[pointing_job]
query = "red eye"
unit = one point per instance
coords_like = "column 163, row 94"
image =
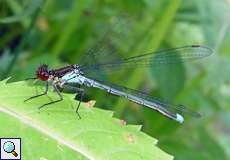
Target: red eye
column 43, row 73
column 43, row 76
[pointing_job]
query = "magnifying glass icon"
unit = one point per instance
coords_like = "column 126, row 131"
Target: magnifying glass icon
column 9, row 147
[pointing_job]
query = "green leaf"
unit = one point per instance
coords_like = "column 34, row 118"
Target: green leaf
column 55, row 132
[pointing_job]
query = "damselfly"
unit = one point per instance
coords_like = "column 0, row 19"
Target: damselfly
column 85, row 73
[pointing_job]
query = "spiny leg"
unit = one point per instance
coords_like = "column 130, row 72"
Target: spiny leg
column 59, row 94
column 45, row 93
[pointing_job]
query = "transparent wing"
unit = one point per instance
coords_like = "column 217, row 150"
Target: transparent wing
column 116, row 30
column 168, row 56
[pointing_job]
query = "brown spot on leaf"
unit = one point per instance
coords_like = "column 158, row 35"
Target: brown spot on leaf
column 122, row 122
column 90, row 104
column 130, row 138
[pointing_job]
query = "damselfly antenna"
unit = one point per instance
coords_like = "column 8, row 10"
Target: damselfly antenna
column 31, row 78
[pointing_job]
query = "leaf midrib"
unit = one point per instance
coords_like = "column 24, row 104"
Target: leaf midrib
column 46, row 131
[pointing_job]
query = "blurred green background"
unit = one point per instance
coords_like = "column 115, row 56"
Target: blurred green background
column 59, row 32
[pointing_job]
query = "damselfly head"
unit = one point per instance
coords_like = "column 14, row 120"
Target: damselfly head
column 43, row 72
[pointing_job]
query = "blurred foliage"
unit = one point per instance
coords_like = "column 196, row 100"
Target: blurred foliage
column 60, row 32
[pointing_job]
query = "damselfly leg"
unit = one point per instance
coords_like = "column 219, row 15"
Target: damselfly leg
column 39, row 95
column 45, row 93
column 79, row 95
column 52, row 102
